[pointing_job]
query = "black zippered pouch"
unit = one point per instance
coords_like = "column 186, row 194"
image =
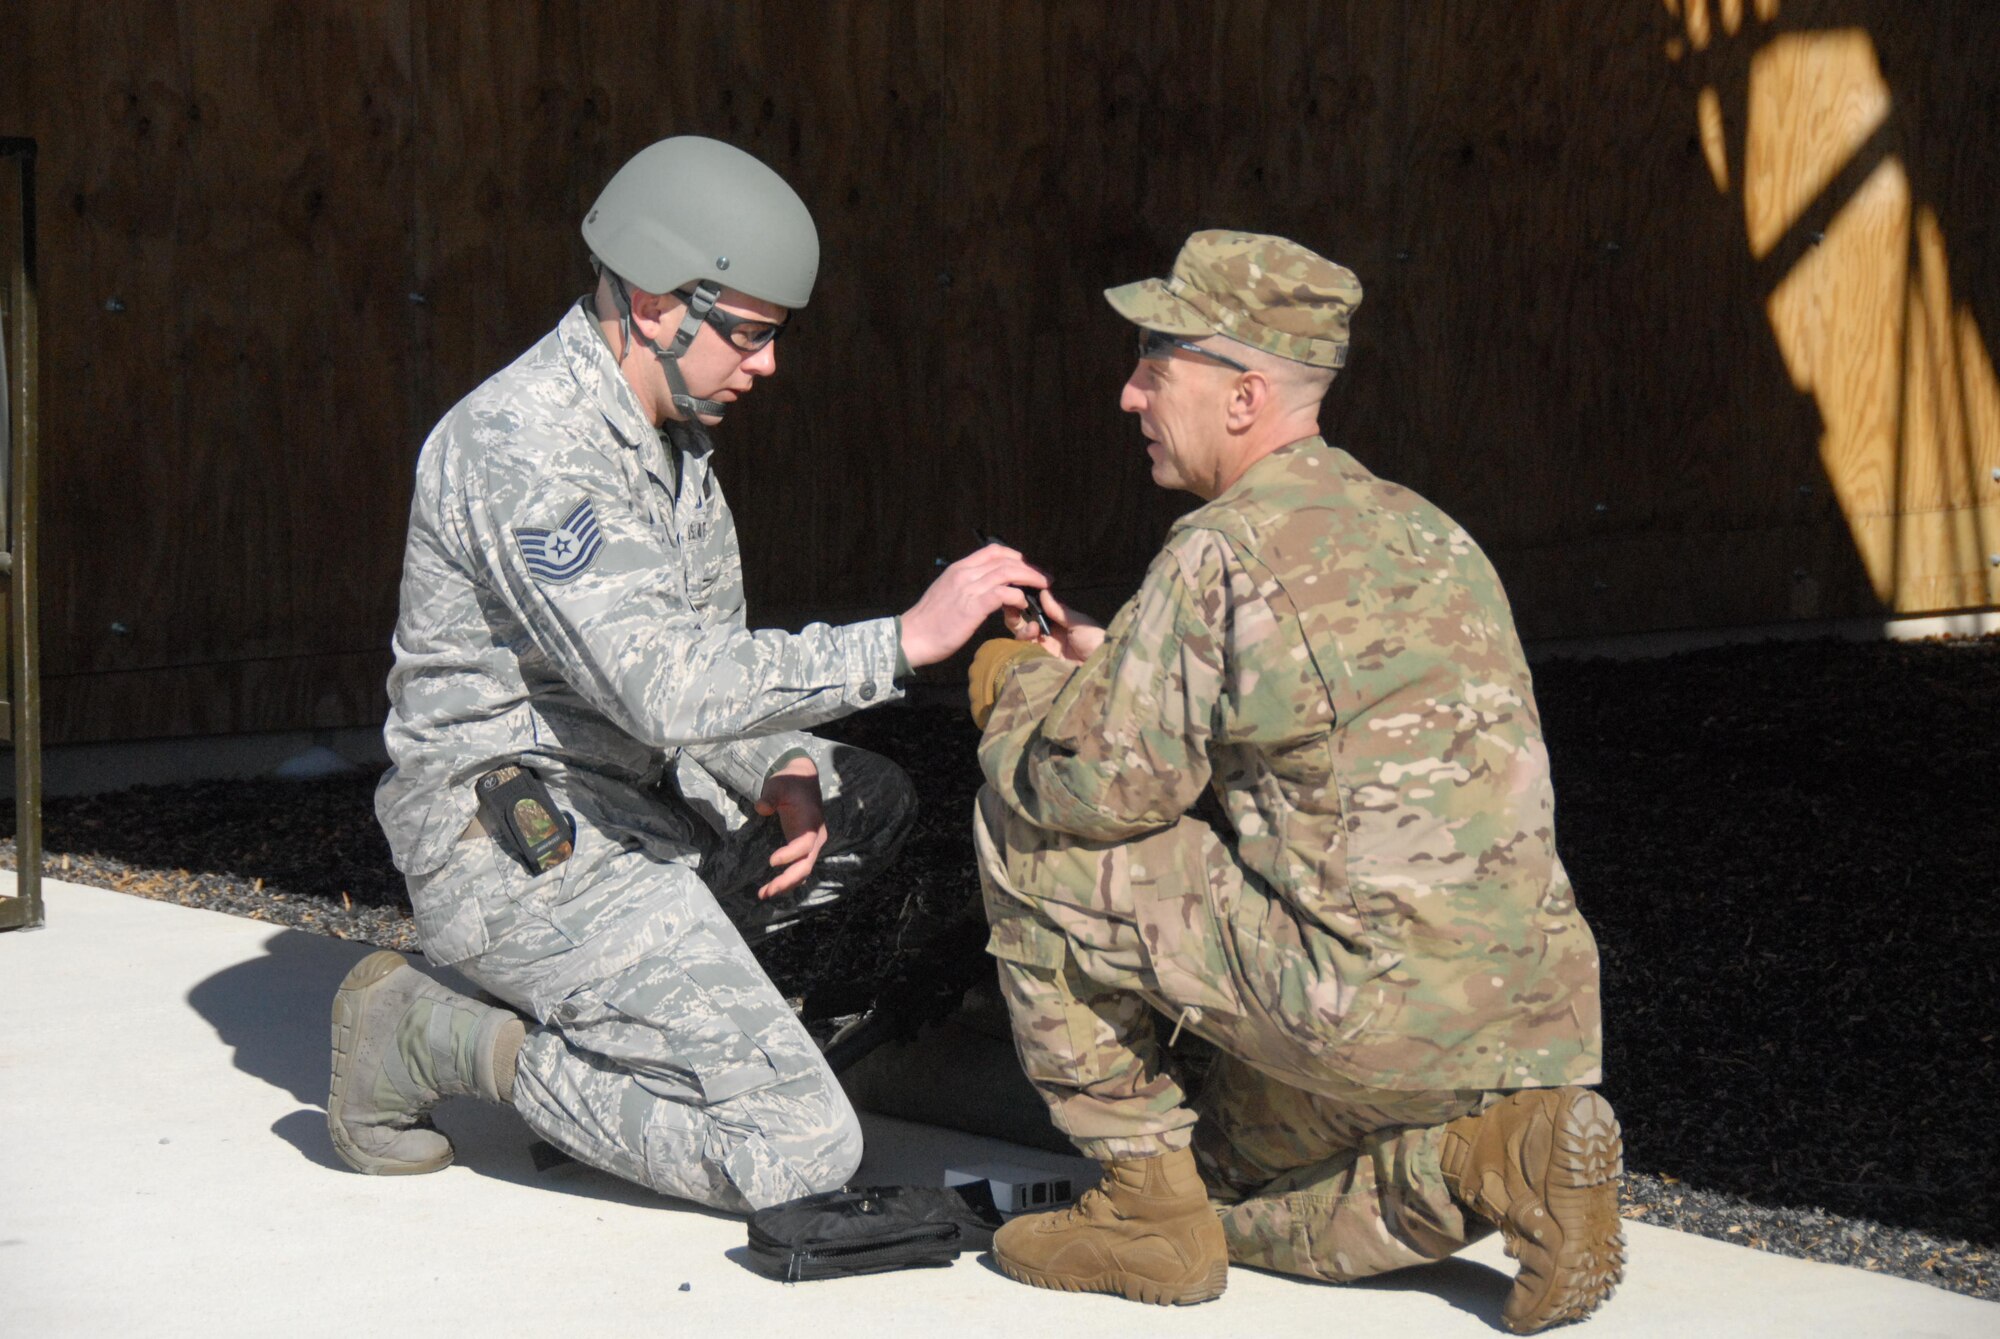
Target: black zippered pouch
column 846, row 1232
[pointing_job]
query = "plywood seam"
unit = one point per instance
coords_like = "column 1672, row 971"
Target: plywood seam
column 164, row 667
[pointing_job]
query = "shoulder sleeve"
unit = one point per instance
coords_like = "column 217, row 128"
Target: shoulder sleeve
column 1119, row 746
column 598, row 589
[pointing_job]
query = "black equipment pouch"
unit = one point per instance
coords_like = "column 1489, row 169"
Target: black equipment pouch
column 518, row 812
column 846, row 1232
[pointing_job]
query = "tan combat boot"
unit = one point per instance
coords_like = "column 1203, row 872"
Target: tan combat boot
column 401, row 1041
column 1145, row 1231
column 1543, row 1165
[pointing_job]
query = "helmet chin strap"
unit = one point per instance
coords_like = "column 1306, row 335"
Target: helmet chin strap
column 699, row 304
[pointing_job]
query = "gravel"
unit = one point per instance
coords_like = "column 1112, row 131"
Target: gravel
column 1788, row 853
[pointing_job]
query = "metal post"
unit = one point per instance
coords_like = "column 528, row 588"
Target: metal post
column 24, row 910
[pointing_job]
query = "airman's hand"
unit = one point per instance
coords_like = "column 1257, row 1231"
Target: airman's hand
column 964, row 596
column 792, row 793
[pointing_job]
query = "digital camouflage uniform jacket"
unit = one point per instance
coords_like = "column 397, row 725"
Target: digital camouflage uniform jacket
column 1335, row 657
column 573, row 597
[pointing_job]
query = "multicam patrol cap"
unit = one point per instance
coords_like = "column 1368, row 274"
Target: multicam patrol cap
column 1264, row 291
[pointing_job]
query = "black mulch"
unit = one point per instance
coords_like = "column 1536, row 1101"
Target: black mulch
column 1789, row 854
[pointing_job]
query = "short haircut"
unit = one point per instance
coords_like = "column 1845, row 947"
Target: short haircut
column 1297, row 385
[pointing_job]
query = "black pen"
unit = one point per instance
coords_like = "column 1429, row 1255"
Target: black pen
column 1034, row 603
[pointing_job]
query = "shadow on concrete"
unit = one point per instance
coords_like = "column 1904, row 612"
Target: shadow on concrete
column 305, row 1130
column 1477, row 1290
column 274, row 1013
column 740, row 1257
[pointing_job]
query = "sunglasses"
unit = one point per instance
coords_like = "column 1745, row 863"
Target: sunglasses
column 1159, row 344
column 746, row 333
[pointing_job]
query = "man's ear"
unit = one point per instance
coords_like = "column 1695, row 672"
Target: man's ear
column 647, row 313
column 1248, row 399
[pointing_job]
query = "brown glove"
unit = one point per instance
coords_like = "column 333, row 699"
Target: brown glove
column 991, row 664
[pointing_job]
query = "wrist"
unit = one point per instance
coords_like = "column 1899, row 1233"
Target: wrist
column 991, row 664
column 912, row 648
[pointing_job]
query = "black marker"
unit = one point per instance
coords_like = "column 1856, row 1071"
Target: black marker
column 1034, row 602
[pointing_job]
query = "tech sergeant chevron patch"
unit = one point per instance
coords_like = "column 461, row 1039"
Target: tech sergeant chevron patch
column 561, row 555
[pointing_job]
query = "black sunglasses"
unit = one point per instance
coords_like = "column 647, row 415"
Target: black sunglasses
column 1159, row 344
column 746, row 333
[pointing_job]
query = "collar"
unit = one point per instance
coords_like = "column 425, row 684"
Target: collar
column 596, row 372
column 1278, row 466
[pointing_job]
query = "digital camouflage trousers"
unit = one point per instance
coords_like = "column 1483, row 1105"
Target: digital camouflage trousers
column 658, row 1048
column 1312, row 1174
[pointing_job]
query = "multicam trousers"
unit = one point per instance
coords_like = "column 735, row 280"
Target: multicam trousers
column 663, row 1052
column 1312, row 1174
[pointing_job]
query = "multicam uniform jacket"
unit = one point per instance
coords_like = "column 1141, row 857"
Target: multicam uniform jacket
column 572, row 598
column 1336, row 659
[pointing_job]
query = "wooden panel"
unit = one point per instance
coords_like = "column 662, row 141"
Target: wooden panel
column 1598, row 329
column 1941, row 559
column 1042, row 207
column 511, row 139
column 1838, row 316
column 1815, row 100
column 1867, row 319
column 1705, row 579
column 1947, row 437
column 225, row 209
column 1980, row 387
column 230, row 697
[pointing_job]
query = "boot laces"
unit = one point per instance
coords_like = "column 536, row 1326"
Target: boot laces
column 1085, row 1210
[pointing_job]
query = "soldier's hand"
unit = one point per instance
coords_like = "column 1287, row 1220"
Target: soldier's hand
column 963, row 597
column 1073, row 635
column 792, row 793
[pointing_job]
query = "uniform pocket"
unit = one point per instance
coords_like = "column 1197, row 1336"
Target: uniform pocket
column 451, row 923
column 449, row 930
column 724, row 1046
column 1017, row 936
column 1175, row 902
column 478, row 896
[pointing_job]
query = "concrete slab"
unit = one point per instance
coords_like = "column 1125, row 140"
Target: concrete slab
column 164, row 1171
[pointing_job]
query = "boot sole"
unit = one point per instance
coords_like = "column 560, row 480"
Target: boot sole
column 1131, row 1288
column 1581, row 1195
column 349, row 1003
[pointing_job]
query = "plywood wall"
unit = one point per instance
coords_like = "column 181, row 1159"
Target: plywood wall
column 1641, row 311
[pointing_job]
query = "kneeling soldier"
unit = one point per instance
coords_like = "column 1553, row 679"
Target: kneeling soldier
column 1296, row 799
column 604, row 795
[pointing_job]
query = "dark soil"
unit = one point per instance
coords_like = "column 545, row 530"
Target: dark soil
column 1788, row 853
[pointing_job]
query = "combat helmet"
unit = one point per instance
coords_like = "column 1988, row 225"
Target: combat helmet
column 695, row 211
